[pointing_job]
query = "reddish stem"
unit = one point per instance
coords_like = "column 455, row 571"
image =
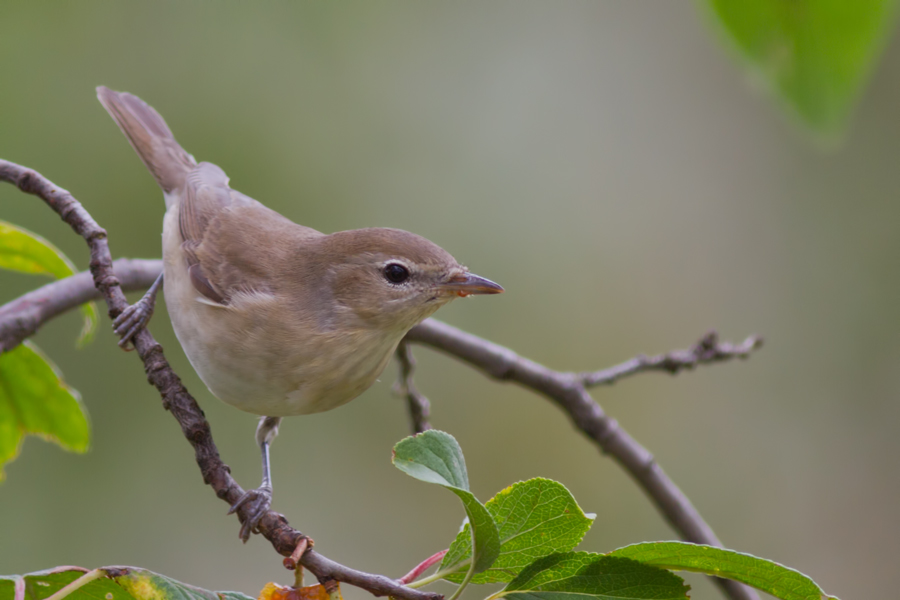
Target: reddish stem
column 293, row 561
column 422, row 567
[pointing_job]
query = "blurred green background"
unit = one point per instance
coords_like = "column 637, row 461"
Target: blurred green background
column 604, row 161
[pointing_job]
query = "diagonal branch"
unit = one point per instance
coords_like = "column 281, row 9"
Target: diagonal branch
column 178, row 400
column 567, row 390
column 497, row 362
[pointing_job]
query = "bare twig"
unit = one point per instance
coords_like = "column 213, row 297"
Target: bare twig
column 418, row 405
column 567, row 390
column 178, row 400
column 291, row 562
column 708, row 350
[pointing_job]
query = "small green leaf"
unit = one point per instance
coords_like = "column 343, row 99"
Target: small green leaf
column 27, row 252
column 34, row 400
column 435, row 457
column 814, row 54
column 535, row 518
column 585, row 576
column 765, row 575
column 113, row 583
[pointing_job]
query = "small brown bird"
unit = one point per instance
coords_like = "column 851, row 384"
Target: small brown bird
column 277, row 319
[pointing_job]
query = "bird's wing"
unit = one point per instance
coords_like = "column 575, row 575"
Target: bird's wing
column 232, row 243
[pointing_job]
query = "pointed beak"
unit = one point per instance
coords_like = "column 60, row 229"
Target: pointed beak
column 466, row 284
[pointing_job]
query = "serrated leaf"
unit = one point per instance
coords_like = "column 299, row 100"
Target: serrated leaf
column 435, row 457
column 34, row 400
column 27, row 252
column 109, row 583
column 586, row 576
column 534, row 518
column 814, row 54
column 765, row 575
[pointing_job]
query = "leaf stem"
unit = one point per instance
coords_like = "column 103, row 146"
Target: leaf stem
column 438, row 575
column 81, row 581
column 465, row 582
column 423, row 566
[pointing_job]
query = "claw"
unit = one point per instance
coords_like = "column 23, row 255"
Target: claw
column 136, row 316
column 132, row 320
column 257, row 503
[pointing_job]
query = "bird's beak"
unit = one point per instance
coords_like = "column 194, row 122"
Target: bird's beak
column 465, row 284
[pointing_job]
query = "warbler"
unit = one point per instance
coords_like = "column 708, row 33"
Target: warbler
column 277, row 318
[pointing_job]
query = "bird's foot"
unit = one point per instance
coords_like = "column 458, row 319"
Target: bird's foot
column 256, row 503
column 132, row 320
column 136, row 316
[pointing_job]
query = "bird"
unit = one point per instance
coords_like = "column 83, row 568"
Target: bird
column 277, row 319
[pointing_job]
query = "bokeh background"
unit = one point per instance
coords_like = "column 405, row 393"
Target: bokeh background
column 607, row 162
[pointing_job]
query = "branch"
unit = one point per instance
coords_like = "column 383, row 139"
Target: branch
column 22, row 317
column 708, row 350
column 418, row 405
column 175, row 396
column 567, row 390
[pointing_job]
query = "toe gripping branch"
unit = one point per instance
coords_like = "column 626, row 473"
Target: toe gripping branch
column 135, row 317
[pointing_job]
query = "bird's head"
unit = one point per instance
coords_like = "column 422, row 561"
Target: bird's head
column 392, row 279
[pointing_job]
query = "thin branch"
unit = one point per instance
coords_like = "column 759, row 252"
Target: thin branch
column 564, row 389
column 418, row 405
column 567, row 390
column 179, row 402
column 22, row 317
column 708, row 350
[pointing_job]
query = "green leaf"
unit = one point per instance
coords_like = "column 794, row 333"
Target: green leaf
column 816, row 55
column 107, row 583
column 146, row 585
column 34, row 400
column 42, row 584
column 27, row 252
column 764, row 575
column 585, row 576
column 435, row 457
column 535, row 518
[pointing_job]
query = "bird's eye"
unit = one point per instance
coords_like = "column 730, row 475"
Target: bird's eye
column 396, row 273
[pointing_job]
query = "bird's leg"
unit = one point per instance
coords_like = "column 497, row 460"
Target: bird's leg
column 258, row 501
column 137, row 315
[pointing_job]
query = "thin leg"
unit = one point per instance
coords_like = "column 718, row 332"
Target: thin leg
column 259, row 500
column 137, row 315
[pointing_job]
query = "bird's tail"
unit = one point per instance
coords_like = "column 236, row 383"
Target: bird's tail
column 149, row 136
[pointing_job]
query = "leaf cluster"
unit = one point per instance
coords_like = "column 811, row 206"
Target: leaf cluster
column 525, row 537
column 33, row 397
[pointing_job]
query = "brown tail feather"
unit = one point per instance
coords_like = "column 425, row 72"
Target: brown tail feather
column 149, row 136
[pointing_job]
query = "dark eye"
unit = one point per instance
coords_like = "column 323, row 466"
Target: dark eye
column 396, row 273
